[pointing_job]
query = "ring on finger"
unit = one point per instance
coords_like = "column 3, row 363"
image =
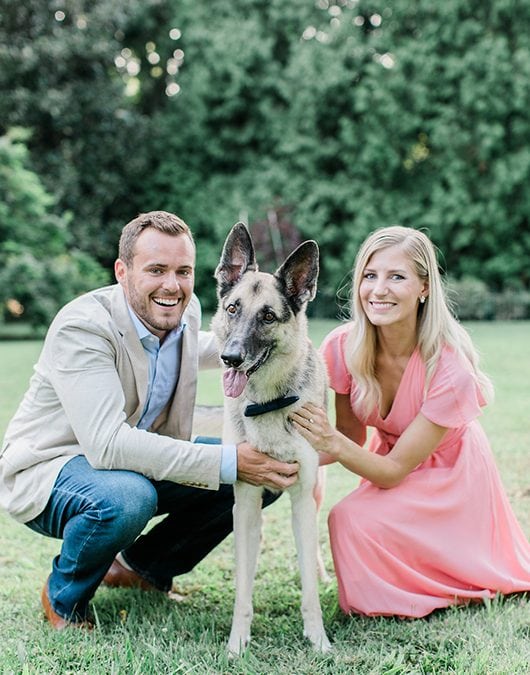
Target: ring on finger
column 311, row 420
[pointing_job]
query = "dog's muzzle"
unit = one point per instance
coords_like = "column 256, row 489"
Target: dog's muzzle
column 232, row 360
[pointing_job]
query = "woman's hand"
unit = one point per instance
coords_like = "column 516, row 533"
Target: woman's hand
column 313, row 424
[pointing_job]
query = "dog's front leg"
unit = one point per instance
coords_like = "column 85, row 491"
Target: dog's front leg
column 318, row 494
column 247, row 532
column 304, row 517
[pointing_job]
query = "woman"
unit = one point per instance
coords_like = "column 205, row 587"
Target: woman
column 430, row 524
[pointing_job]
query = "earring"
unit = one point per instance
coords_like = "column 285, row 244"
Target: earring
column 422, row 299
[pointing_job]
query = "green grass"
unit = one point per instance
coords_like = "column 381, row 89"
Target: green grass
column 141, row 634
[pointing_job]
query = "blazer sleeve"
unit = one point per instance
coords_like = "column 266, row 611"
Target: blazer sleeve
column 87, row 382
column 208, row 351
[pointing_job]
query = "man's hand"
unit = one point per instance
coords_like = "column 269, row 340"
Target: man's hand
column 256, row 468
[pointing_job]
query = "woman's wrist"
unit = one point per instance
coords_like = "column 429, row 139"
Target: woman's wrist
column 350, row 454
column 339, row 446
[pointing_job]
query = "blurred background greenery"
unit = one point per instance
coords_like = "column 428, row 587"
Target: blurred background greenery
column 305, row 119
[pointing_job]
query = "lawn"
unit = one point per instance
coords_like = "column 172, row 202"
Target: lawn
column 138, row 633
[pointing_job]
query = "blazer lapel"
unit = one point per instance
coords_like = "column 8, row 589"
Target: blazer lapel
column 179, row 417
column 135, row 351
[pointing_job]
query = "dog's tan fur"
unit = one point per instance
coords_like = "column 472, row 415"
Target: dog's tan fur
column 261, row 328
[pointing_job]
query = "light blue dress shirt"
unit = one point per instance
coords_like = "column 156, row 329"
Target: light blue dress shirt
column 164, row 370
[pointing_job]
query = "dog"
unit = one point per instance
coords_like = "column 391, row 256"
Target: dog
column 270, row 367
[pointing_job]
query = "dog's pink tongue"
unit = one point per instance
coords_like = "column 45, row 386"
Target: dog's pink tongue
column 234, row 381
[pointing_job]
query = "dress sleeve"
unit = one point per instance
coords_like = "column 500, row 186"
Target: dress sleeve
column 332, row 351
column 454, row 398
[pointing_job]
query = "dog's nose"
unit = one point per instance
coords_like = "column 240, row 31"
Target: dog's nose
column 232, row 360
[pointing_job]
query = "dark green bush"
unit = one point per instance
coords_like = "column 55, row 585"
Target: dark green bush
column 473, row 301
column 512, row 305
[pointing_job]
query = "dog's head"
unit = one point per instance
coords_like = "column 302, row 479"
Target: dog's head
column 259, row 314
column 296, row 278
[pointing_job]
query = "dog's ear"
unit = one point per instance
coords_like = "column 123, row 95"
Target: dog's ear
column 299, row 273
column 237, row 258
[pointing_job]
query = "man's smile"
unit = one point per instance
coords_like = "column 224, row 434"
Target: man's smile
column 167, row 302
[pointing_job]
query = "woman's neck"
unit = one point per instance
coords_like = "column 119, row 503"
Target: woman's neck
column 396, row 344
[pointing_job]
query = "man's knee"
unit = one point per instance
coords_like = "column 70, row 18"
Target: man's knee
column 126, row 501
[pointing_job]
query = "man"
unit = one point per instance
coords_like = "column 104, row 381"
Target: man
column 100, row 443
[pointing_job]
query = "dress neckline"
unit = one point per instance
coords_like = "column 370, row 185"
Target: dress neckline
column 398, row 390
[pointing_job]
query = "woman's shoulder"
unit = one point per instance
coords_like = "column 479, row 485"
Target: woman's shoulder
column 453, row 397
column 333, row 352
column 453, row 364
column 333, row 347
column 338, row 335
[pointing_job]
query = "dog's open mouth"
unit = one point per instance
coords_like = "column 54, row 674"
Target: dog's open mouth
column 235, row 381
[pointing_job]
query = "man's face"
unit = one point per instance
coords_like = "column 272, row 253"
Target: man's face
column 159, row 283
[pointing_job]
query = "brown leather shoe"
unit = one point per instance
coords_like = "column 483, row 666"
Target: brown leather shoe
column 57, row 622
column 119, row 576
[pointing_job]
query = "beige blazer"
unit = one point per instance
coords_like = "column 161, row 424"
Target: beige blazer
column 86, row 396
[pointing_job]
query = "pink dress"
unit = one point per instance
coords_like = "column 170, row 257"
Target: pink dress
column 446, row 534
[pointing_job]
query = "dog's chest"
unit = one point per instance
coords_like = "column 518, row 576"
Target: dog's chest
column 273, row 433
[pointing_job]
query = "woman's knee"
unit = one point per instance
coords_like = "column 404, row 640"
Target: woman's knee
column 334, row 516
column 347, row 515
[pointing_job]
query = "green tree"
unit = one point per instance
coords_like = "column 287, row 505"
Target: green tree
column 417, row 113
column 349, row 116
column 215, row 143
column 39, row 272
column 320, row 119
column 59, row 78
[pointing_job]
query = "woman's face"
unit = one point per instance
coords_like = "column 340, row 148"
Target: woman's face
column 390, row 289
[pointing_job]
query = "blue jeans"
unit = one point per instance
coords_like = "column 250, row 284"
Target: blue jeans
column 98, row 513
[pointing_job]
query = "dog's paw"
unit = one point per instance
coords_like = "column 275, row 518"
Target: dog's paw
column 237, row 644
column 321, row 644
column 319, row 640
column 324, row 645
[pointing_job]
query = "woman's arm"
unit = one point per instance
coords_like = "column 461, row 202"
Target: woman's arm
column 416, row 443
column 347, row 423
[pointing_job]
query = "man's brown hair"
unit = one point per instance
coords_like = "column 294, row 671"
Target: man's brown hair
column 158, row 220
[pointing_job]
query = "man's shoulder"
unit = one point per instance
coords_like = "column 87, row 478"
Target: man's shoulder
column 192, row 315
column 95, row 307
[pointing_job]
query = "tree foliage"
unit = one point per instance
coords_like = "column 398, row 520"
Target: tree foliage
column 39, row 272
column 58, row 73
column 320, row 119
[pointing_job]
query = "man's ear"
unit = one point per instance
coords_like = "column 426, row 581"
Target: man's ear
column 120, row 271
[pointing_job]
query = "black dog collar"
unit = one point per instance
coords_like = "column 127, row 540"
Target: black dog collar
column 255, row 409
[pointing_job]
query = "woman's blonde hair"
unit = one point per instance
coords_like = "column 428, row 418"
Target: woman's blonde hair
column 436, row 325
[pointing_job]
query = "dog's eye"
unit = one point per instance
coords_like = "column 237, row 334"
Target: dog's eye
column 231, row 309
column 269, row 317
